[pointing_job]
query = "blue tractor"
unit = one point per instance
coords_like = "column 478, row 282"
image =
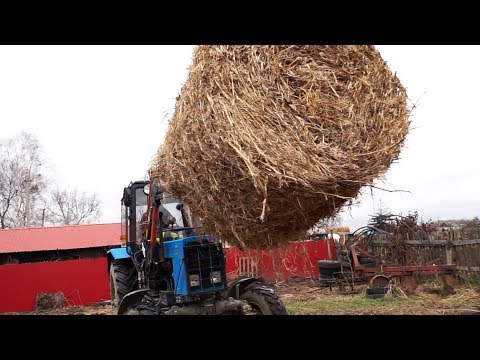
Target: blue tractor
column 166, row 265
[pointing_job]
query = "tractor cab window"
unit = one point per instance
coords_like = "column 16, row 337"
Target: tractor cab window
column 169, row 210
column 140, row 211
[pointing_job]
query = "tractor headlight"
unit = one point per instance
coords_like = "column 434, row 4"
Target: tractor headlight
column 216, row 277
column 194, row 280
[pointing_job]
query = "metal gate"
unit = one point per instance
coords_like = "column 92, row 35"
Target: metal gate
column 248, row 266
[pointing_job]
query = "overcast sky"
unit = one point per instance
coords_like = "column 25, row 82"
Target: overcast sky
column 100, row 113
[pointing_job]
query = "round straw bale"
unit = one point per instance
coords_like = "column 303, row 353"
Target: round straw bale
column 267, row 140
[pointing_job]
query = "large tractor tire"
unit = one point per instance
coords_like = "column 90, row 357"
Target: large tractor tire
column 123, row 279
column 327, row 268
column 263, row 300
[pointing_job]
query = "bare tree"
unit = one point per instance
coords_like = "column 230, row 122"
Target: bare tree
column 72, row 208
column 22, row 184
column 43, row 216
column 8, row 191
column 24, row 190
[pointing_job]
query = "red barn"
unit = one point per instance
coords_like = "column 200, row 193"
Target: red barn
column 67, row 259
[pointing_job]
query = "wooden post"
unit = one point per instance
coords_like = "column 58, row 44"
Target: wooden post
column 449, row 252
column 328, row 250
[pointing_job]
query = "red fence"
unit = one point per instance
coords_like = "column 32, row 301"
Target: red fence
column 298, row 259
column 82, row 282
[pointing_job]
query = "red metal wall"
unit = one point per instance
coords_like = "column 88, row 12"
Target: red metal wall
column 298, row 259
column 82, row 282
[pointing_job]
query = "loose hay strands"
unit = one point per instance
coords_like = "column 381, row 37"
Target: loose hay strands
column 267, row 140
column 48, row 301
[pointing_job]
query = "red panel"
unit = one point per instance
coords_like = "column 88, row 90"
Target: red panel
column 231, row 258
column 298, row 259
column 82, row 282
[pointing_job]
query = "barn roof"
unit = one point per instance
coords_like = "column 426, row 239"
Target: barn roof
column 59, row 237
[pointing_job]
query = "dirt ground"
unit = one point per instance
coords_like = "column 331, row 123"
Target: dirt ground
column 305, row 297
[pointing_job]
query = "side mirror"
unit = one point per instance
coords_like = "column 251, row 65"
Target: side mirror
column 127, row 196
column 179, row 206
column 146, row 189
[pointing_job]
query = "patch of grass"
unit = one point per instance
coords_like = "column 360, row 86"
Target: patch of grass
column 465, row 297
column 418, row 303
column 341, row 304
column 433, row 281
column 472, row 279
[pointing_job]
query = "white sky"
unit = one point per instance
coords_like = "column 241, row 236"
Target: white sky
column 97, row 112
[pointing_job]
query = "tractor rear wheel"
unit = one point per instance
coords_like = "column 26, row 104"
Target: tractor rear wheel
column 263, row 300
column 123, row 279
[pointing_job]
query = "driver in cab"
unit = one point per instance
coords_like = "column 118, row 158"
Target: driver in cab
column 168, row 225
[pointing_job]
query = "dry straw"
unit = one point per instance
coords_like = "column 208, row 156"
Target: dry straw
column 267, row 140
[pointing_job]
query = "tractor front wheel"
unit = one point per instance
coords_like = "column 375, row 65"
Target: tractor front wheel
column 123, row 279
column 263, row 300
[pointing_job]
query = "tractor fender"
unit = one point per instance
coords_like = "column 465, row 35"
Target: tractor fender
column 116, row 254
column 236, row 289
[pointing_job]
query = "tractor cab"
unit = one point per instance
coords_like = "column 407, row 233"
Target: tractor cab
column 134, row 212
